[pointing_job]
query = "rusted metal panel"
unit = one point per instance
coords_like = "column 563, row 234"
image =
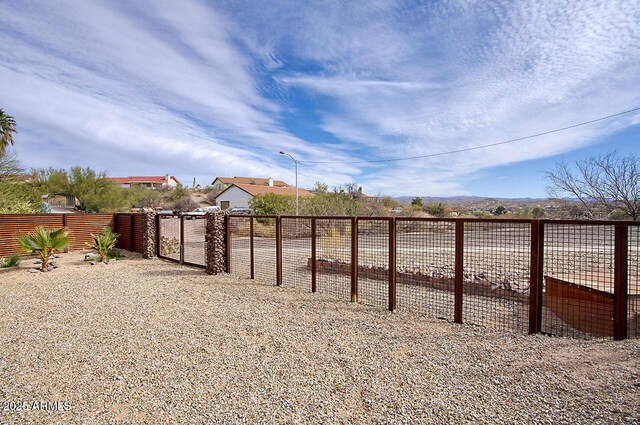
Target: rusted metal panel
column 122, row 224
column 137, row 232
column 14, row 225
column 584, row 308
column 81, row 226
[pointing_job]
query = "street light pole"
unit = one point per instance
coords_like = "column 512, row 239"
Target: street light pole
column 296, row 166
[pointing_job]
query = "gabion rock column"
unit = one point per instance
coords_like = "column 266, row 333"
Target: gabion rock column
column 149, row 237
column 215, row 237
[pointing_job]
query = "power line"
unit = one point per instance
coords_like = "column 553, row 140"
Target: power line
column 407, row 158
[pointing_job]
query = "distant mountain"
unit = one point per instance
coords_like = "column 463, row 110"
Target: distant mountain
column 465, row 199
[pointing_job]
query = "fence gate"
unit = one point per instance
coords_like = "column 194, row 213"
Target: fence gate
column 181, row 238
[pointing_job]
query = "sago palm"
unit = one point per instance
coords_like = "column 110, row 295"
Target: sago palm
column 7, row 128
column 44, row 242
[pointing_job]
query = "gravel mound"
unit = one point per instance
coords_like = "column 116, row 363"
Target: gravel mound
column 146, row 341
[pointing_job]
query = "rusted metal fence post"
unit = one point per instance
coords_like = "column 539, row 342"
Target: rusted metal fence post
column 133, row 233
column 64, row 224
column 252, row 260
column 459, row 271
column 313, row 255
column 181, row 239
column 620, row 283
column 354, row 259
column 536, row 277
column 227, row 244
column 392, row 264
column 278, row 251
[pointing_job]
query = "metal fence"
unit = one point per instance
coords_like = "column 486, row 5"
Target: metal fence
column 80, row 227
column 565, row 278
column 181, row 238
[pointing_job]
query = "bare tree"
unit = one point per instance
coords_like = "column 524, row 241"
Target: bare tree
column 9, row 166
column 607, row 182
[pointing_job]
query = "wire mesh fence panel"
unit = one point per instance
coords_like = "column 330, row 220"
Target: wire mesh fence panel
column 296, row 252
column 425, row 266
column 194, row 240
column 633, row 292
column 496, row 283
column 240, row 228
column 373, row 262
column 264, row 245
column 333, row 253
column 169, row 237
column 578, row 275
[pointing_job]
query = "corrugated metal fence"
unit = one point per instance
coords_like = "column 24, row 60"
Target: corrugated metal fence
column 80, row 227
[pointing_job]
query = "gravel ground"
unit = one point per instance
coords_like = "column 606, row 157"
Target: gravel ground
column 147, row 341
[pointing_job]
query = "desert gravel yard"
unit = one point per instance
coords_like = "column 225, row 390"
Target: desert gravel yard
column 146, row 341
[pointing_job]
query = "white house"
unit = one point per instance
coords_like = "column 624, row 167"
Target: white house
column 239, row 195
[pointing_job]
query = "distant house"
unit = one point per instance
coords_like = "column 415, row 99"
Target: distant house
column 221, row 183
column 147, row 182
column 239, row 195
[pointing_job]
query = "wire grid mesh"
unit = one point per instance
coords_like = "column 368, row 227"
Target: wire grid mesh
column 633, row 270
column 496, row 261
column 194, row 240
column 579, row 274
column 425, row 264
column 333, row 253
column 239, row 228
column 296, row 252
column 373, row 262
column 264, row 246
column 169, row 237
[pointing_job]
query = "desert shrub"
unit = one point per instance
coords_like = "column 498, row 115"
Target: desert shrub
column 537, row 212
column 104, row 242
column 18, row 198
column 143, row 198
column 336, row 203
column 185, row 204
column 10, row 261
column 44, row 242
column 500, row 210
column 177, row 193
column 436, row 210
column 272, row 204
column 210, row 197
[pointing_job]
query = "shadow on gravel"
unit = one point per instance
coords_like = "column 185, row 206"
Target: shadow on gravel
column 178, row 272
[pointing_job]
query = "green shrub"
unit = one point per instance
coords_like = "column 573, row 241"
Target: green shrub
column 44, row 242
column 10, row 261
column 104, row 242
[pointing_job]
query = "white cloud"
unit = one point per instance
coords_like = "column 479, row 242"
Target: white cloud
column 202, row 90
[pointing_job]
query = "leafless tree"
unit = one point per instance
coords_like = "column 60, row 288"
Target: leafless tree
column 9, row 166
column 608, row 183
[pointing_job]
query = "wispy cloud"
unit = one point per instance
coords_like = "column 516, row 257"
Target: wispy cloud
column 204, row 90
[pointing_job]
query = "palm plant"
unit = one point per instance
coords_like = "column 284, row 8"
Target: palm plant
column 7, row 128
column 44, row 242
column 104, row 242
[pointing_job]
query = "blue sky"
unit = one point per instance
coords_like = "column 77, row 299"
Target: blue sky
column 216, row 88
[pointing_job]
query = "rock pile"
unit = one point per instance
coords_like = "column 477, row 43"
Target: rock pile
column 215, row 232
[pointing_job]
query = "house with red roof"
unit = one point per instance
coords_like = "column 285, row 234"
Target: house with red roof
column 147, row 182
